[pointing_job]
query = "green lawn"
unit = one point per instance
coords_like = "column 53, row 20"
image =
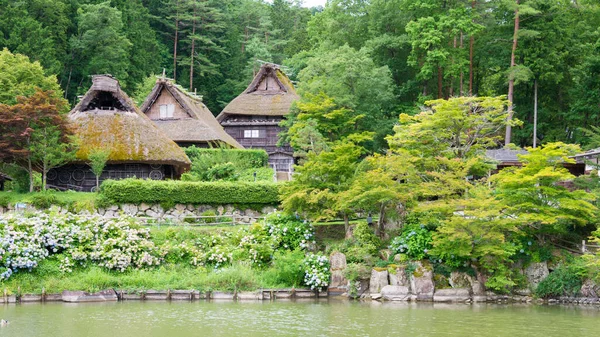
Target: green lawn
column 63, row 198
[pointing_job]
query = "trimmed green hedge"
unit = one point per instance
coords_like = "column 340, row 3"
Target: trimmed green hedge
column 137, row 191
column 242, row 159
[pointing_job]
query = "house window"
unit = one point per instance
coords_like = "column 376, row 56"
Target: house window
column 167, row 110
column 251, row 134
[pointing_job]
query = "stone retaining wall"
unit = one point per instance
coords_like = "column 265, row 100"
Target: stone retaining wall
column 178, row 213
column 164, row 295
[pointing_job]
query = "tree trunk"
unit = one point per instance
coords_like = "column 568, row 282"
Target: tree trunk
column 471, row 43
column 440, row 83
column 461, row 70
column 347, row 226
column 381, row 220
column 30, row 169
column 44, row 173
column 97, row 182
column 192, row 52
column 535, row 111
column 511, row 81
column 175, row 43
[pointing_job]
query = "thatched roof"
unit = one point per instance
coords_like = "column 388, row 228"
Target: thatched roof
column 505, row 156
column 200, row 126
column 271, row 93
column 106, row 118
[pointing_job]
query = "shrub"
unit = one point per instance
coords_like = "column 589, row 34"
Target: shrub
column 243, row 159
column 316, row 271
column 44, row 200
column 4, row 200
column 287, row 268
column 414, row 242
column 136, row 191
column 566, row 280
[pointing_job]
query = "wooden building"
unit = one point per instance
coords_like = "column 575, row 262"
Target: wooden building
column 504, row 158
column 107, row 119
column 184, row 118
column 253, row 117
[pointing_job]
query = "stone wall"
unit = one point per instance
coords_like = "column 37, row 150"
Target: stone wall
column 177, row 213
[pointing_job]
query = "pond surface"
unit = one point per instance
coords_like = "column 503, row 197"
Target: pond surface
column 313, row 318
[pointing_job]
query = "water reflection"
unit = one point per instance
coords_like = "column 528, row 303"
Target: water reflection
column 297, row 318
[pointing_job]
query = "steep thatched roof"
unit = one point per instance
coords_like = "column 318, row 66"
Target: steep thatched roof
column 271, row 93
column 106, row 118
column 200, row 126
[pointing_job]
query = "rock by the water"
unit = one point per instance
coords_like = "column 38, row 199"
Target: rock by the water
column 379, row 279
column 536, row 272
column 590, row 289
column 337, row 261
column 421, row 282
column 452, row 295
column 400, row 278
column 395, row 293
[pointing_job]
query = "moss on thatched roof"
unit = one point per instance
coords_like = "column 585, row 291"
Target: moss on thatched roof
column 262, row 98
column 106, row 118
column 201, row 126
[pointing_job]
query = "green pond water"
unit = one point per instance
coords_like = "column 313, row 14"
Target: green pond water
column 312, row 318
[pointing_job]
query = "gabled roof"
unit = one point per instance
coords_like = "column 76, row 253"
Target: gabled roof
column 106, row 118
column 271, row 93
column 505, row 156
column 4, row 177
column 201, row 126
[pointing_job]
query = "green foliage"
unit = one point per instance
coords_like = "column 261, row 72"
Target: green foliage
column 566, row 280
column 44, row 200
column 21, row 77
column 98, row 159
column 415, row 242
column 365, row 237
column 241, row 158
column 181, row 192
column 287, row 268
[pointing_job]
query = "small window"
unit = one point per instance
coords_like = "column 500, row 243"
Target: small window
column 251, row 134
column 167, row 110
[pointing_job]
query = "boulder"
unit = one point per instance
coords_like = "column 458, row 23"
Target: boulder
column 180, row 207
column 452, row 295
column 460, row 280
column 379, row 279
column 590, row 289
column 395, row 293
column 421, row 282
column 143, row 207
column 129, row 209
column 400, row 278
column 337, row 261
column 536, row 272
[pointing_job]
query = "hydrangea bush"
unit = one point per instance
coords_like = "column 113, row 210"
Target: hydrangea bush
column 116, row 244
column 316, row 271
column 122, row 244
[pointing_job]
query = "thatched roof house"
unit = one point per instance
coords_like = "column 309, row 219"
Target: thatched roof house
column 183, row 117
column 271, row 93
column 107, row 119
column 253, row 117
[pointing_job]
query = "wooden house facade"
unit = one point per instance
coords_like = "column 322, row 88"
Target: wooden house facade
column 253, row 117
column 184, row 118
column 107, row 119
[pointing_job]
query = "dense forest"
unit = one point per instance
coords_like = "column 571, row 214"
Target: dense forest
column 376, row 58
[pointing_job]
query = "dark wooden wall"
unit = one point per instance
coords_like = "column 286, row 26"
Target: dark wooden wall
column 81, row 178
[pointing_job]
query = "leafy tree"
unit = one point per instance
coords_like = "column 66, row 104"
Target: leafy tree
column 459, row 127
column 98, row 159
column 100, row 46
column 353, row 81
column 476, row 233
column 319, row 183
column 21, row 77
column 35, row 125
column 50, row 147
column 534, row 193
